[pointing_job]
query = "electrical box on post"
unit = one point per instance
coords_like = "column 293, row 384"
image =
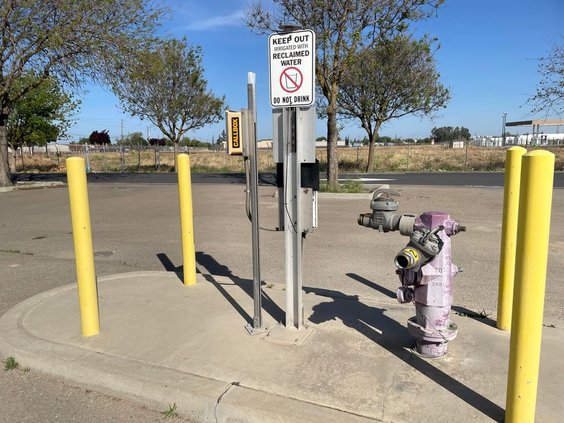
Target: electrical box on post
column 305, row 134
column 277, row 135
column 278, row 156
column 234, row 133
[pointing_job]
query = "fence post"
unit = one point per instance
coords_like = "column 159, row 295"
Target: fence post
column 83, row 251
column 535, row 202
column 186, row 219
column 509, row 236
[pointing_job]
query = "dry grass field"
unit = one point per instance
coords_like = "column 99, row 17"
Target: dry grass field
column 404, row 158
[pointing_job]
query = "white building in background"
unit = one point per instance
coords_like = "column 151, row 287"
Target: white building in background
column 523, row 140
column 55, row 148
column 49, row 148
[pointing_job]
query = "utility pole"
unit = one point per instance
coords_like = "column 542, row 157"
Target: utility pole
column 503, row 129
column 121, row 152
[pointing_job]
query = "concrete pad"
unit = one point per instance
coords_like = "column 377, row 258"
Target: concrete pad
column 162, row 342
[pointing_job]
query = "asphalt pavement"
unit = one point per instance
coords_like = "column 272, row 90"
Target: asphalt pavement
column 162, row 342
column 465, row 179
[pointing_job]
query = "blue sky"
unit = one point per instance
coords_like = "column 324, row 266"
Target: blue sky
column 488, row 59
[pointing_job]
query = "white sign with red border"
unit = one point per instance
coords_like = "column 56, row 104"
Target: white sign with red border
column 292, row 68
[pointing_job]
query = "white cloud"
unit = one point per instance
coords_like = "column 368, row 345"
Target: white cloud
column 215, row 22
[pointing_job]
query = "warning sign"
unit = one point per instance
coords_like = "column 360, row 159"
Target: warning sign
column 291, row 79
column 292, row 68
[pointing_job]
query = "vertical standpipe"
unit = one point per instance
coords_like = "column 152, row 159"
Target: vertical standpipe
column 83, row 250
column 535, row 203
column 252, row 151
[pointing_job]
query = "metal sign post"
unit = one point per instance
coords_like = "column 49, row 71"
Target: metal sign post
column 252, row 151
column 242, row 141
column 292, row 59
column 297, row 134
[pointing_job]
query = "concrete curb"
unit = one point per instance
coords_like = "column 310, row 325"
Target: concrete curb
column 33, row 185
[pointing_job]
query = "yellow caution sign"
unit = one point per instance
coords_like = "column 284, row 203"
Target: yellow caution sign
column 234, row 133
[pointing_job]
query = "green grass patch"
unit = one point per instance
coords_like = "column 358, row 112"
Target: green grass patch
column 350, row 186
column 11, row 251
column 171, row 412
column 10, row 364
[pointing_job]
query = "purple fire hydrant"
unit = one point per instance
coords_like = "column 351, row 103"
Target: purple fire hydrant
column 424, row 267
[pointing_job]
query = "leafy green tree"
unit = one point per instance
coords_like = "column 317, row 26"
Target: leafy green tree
column 166, row 85
column 393, row 79
column 221, row 137
column 343, row 30
column 134, row 139
column 40, row 116
column 448, row 133
column 184, row 142
column 187, row 142
column 550, row 91
column 72, row 40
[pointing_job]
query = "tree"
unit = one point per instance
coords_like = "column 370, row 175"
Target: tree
column 448, row 133
column 550, row 92
column 221, row 137
column 343, row 30
column 166, row 85
column 99, row 138
column 134, row 140
column 393, row 79
column 157, row 142
column 40, row 116
column 73, row 40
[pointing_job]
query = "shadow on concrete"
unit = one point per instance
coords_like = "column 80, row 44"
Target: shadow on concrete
column 459, row 310
column 373, row 323
column 179, row 271
column 215, row 268
column 479, row 316
column 370, row 284
column 170, row 267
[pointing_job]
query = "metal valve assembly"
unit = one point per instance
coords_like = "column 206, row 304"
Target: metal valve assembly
column 424, row 267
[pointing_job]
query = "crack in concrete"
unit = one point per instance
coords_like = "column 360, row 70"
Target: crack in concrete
column 385, row 400
column 231, row 385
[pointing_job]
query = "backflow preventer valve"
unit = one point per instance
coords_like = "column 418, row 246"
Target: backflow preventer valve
column 424, row 267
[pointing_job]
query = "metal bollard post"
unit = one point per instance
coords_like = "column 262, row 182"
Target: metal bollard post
column 509, row 236
column 535, row 203
column 186, row 222
column 83, row 251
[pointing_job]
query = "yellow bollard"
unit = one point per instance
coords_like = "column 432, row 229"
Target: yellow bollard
column 84, row 255
column 535, row 202
column 509, row 236
column 186, row 222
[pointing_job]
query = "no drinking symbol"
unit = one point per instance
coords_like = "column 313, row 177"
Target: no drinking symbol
column 291, row 79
